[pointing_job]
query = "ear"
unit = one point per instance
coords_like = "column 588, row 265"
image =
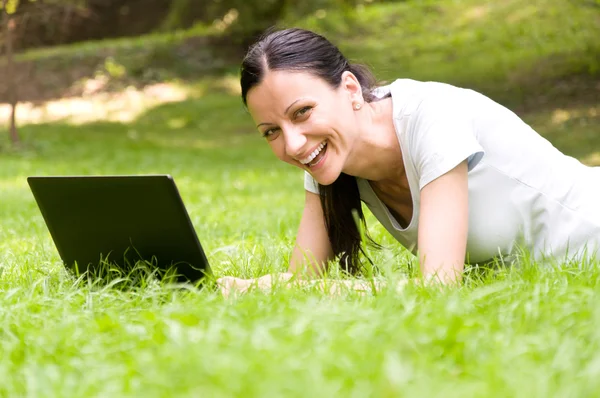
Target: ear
column 351, row 86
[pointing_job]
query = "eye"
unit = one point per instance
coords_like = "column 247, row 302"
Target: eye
column 302, row 111
column 271, row 134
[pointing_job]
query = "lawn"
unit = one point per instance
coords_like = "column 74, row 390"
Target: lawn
column 522, row 332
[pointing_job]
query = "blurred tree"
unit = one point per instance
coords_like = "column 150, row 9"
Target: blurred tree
column 239, row 19
column 51, row 22
column 8, row 26
column 42, row 23
column 183, row 14
column 243, row 20
column 10, row 9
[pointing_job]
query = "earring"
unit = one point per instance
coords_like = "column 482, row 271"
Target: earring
column 357, row 106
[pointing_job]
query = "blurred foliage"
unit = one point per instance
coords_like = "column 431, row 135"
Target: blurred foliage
column 517, row 51
column 242, row 20
column 10, row 6
column 241, row 17
column 42, row 23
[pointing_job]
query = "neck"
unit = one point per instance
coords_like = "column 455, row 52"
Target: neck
column 376, row 155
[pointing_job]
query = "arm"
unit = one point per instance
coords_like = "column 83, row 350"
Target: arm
column 312, row 248
column 309, row 256
column 443, row 225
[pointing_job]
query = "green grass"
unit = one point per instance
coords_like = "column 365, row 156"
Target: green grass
column 522, row 332
column 475, row 43
column 526, row 331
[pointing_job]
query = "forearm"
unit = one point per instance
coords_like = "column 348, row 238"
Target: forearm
column 441, row 270
column 307, row 265
column 444, row 226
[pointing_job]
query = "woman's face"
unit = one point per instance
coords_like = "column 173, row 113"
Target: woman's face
column 306, row 122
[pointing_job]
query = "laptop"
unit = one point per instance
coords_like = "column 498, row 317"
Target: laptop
column 120, row 221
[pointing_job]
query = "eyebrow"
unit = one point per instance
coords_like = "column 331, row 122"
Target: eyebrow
column 286, row 111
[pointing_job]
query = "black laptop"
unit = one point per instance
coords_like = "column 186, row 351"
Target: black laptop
column 120, row 221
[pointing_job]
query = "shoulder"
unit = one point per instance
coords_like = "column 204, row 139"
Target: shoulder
column 431, row 92
column 427, row 99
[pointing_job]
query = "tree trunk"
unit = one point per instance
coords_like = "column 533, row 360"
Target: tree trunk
column 9, row 25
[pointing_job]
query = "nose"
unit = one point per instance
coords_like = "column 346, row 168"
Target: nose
column 294, row 142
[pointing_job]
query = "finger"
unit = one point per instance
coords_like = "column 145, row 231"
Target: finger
column 230, row 284
column 400, row 285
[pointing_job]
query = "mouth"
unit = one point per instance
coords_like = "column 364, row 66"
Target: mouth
column 316, row 156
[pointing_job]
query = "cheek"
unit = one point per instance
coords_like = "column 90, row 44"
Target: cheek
column 347, row 115
column 339, row 119
column 277, row 146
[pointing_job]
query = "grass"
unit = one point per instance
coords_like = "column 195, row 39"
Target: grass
column 522, row 332
column 511, row 50
column 526, row 331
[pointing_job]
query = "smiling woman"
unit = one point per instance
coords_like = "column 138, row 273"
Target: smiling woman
column 454, row 176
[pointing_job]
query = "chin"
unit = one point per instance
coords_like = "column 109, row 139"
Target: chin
column 326, row 179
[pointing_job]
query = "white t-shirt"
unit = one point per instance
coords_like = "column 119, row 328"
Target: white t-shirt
column 523, row 192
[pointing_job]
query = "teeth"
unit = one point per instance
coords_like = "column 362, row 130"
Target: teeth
column 313, row 155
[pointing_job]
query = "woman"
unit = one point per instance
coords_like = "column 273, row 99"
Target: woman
column 455, row 177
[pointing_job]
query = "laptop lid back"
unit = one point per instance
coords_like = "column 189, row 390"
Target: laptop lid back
column 122, row 219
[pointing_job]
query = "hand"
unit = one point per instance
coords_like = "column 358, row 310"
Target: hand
column 229, row 284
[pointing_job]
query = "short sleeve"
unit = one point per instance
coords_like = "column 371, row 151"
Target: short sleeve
column 442, row 135
column 310, row 184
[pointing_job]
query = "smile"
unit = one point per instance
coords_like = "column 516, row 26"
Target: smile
column 314, row 154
